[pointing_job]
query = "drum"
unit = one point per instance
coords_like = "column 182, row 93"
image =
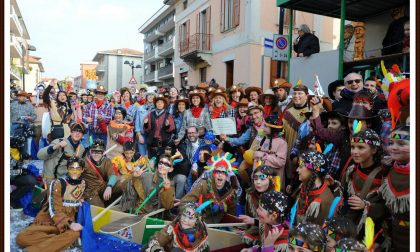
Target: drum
column 46, row 124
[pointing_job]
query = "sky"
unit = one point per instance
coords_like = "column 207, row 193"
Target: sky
column 68, row 32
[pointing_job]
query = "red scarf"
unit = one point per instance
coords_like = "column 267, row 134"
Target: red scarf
column 267, row 110
column 217, row 111
column 127, row 104
column 99, row 103
column 196, row 111
column 233, row 104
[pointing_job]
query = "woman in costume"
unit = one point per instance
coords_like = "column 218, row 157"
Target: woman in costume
column 307, row 237
column 119, row 132
column 219, row 106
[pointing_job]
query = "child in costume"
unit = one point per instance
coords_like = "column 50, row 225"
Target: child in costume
column 186, row 233
column 272, row 229
column 338, row 228
column 395, row 189
column 315, row 198
column 54, row 228
column 218, row 188
column 197, row 168
column 350, row 244
column 307, row 237
column 127, row 163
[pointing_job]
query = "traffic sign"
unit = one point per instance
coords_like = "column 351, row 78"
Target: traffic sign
column 267, row 49
column 280, row 48
column 132, row 80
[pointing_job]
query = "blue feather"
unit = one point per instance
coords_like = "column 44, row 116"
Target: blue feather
column 293, row 214
column 176, row 161
column 355, row 122
column 304, row 130
column 202, row 206
column 333, row 207
column 328, row 148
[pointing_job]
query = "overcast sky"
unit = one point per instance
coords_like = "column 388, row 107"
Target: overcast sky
column 67, row 32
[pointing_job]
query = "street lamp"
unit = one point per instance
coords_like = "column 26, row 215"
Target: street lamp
column 131, row 64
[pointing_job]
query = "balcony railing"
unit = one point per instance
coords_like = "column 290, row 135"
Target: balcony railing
column 149, row 77
column 165, row 71
column 15, row 71
column 17, row 47
column 15, row 24
column 149, row 54
column 165, row 46
column 199, row 42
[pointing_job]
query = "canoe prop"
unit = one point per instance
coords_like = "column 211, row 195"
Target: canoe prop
column 147, row 199
column 92, row 241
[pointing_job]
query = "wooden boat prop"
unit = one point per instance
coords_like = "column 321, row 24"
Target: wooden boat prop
column 132, row 228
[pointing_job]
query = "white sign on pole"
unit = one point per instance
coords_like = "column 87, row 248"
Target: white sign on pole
column 281, row 47
column 268, row 47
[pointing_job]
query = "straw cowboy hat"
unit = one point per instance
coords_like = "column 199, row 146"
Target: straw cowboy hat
column 101, row 89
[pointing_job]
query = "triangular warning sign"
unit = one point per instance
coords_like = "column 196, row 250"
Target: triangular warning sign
column 132, row 80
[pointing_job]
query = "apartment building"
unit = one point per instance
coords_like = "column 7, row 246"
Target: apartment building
column 36, row 69
column 221, row 39
column 159, row 32
column 117, row 67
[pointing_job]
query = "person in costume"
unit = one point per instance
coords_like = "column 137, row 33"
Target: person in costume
column 236, row 93
column 186, row 233
column 125, row 163
column 395, row 189
column 281, row 89
column 159, row 126
column 98, row 114
column 159, row 183
column 100, row 177
column 198, row 116
column 336, row 229
column 242, row 118
column 273, row 148
column 351, row 245
column 198, row 167
column 292, row 118
column 253, row 93
column 307, row 237
column 116, row 96
column 127, row 102
column 119, row 132
column 361, row 181
column 55, row 227
column 59, row 151
column 219, row 107
column 141, row 113
column 181, row 105
column 219, row 189
column 269, row 101
column 315, row 197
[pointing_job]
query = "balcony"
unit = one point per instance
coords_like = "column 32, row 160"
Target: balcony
column 100, row 69
column 15, row 74
column 15, row 25
column 165, row 72
column 167, row 26
column 151, row 56
column 196, row 49
column 166, row 48
column 150, row 77
column 15, row 48
column 152, row 36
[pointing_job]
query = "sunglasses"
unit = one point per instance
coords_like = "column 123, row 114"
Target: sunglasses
column 220, row 172
column 164, row 164
column 97, row 152
column 259, row 176
column 357, row 81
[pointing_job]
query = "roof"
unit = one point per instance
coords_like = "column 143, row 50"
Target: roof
column 120, row 51
column 356, row 10
column 34, row 59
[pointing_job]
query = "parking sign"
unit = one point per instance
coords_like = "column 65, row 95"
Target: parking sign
column 280, row 48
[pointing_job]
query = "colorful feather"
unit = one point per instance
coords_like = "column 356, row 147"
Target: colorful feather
column 293, row 215
column 357, row 126
column 277, row 183
column 328, row 148
column 369, row 233
column 318, row 148
column 333, row 207
column 298, row 83
column 396, row 69
column 204, row 205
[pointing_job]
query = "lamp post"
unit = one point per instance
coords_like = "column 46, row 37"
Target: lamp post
column 131, row 64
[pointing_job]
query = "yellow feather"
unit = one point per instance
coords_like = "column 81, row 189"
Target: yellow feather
column 277, row 183
column 369, row 232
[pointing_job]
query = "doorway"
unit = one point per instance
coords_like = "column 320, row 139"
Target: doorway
column 229, row 74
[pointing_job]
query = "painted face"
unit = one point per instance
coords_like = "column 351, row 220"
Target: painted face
column 96, row 155
column 371, row 85
column 253, row 96
column 126, row 96
column 75, row 171
column 164, row 167
column 129, row 154
column 256, row 116
column 353, row 82
column 268, row 100
column 76, row 135
column 337, row 92
column 236, row 95
column 399, row 149
column 220, row 175
column 299, row 98
column 196, row 100
column 181, row 106
column 303, row 172
column 281, row 94
column 362, row 153
column 188, row 218
column 118, row 115
column 350, row 124
column 218, row 101
column 334, row 124
column 160, row 104
column 265, row 217
column 261, row 182
column 62, row 97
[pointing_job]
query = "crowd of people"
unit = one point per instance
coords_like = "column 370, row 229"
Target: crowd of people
column 305, row 172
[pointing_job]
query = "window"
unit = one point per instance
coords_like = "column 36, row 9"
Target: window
column 184, row 33
column 229, row 17
column 229, row 74
column 185, row 4
column 203, row 74
column 184, row 79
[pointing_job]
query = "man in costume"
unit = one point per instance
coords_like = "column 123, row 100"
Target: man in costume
column 54, row 228
column 282, row 89
column 100, row 176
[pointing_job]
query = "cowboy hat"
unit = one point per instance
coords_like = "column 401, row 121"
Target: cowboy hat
column 333, row 86
column 101, row 89
column 252, row 106
column 220, row 92
column 280, row 83
column 22, row 93
column 196, row 93
column 202, row 86
column 267, row 92
column 181, row 98
column 248, row 90
column 162, row 98
column 359, row 112
column 242, row 103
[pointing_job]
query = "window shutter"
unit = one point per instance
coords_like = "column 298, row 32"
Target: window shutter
column 222, row 16
column 208, row 22
column 236, row 14
column 181, row 38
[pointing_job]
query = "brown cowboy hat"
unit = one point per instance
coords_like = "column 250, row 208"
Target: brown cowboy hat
column 202, row 86
column 360, row 112
column 196, row 93
column 248, row 90
column 235, row 88
column 242, row 103
column 101, row 89
column 280, row 83
column 252, row 106
column 220, row 92
column 162, row 98
column 181, row 98
column 22, row 93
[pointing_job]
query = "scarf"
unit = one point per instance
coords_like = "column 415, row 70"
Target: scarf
column 267, row 110
column 159, row 112
column 99, row 103
column 196, row 111
column 127, row 104
column 217, row 111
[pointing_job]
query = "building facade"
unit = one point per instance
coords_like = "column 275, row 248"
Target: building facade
column 113, row 71
column 159, row 32
column 36, row 69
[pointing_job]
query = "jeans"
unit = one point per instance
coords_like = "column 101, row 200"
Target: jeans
column 142, row 147
column 180, row 182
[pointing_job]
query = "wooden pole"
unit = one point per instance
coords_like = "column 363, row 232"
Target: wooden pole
column 106, row 209
column 215, row 225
